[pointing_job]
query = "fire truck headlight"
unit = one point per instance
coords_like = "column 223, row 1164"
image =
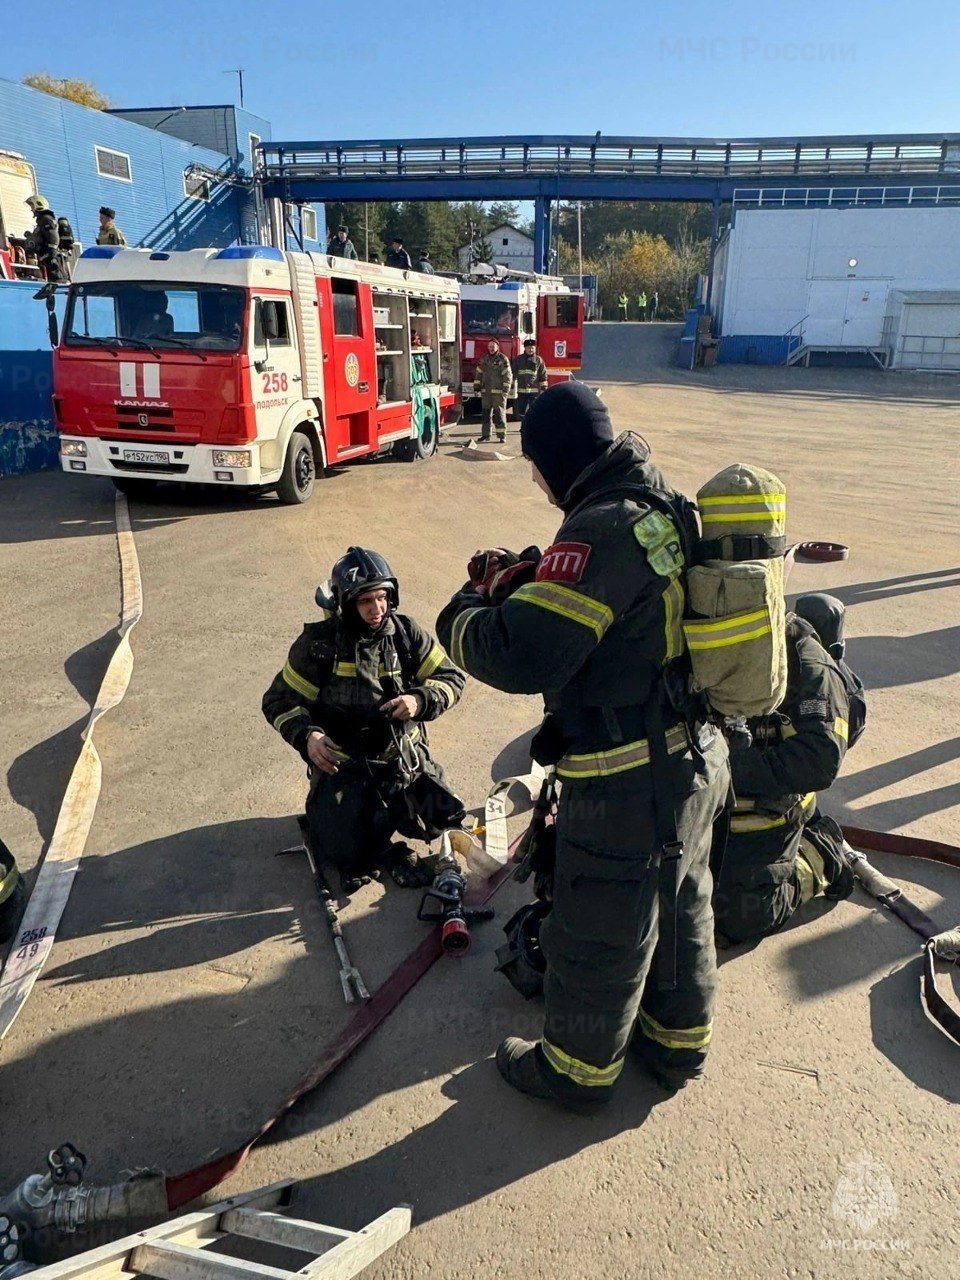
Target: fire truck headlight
column 232, row 458
column 73, row 448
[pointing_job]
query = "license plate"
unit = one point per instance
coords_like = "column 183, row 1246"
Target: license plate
column 141, row 455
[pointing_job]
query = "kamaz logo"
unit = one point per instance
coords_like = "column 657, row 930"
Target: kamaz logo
column 143, row 420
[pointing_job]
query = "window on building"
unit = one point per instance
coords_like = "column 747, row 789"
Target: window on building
column 506, row 242
column 345, row 307
column 196, row 186
column 113, row 164
column 308, row 223
column 254, row 140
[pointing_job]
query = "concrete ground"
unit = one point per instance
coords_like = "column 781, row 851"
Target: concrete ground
column 192, row 983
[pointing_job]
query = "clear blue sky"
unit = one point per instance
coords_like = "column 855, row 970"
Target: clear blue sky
column 363, row 69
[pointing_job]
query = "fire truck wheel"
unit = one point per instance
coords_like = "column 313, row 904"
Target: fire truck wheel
column 299, row 471
column 136, row 488
column 422, row 446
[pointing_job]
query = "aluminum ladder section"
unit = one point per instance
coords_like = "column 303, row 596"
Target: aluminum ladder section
column 178, row 1250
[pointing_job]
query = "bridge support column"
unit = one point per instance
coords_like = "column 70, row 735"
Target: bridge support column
column 541, row 234
column 714, row 236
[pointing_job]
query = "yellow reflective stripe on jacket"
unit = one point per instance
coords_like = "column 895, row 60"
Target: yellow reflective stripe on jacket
column 385, row 671
column 443, row 689
column 460, row 624
column 582, row 1073
column 673, row 610
column 674, row 1037
column 841, row 728
column 430, row 663
column 727, row 631
column 346, row 669
column 744, row 819
column 630, row 755
column 290, row 715
column 293, row 680
column 568, row 603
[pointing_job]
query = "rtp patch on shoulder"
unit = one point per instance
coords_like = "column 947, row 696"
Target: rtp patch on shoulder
column 564, row 562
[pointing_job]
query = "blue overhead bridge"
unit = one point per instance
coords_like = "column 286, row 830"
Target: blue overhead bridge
column 887, row 168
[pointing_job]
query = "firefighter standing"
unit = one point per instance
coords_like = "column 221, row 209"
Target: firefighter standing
column 642, row 305
column 341, row 246
column 424, row 265
column 44, row 241
column 598, row 633
column 492, row 382
column 109, row 232
column 780, row 851
column 352, row 699
column 397, row 255
column 623, row 302
column 530, row 376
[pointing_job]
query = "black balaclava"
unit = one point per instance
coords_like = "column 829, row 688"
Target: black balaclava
column 563, row 432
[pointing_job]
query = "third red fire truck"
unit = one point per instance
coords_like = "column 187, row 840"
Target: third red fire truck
column 513, row 306
column 249, row 366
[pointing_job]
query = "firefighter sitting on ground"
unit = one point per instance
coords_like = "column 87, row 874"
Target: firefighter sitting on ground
column 492, row 382
column 530, row 376
column 781, row 851
column 353, row 699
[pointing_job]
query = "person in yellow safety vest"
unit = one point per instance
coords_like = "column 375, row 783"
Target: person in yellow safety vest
column 642, row 305
column 623, row 302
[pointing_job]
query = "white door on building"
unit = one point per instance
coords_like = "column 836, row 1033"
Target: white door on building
column 826, row 311
column 866, row 304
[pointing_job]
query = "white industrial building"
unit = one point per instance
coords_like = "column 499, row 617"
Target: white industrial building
column 879, row 281
column 511, row 247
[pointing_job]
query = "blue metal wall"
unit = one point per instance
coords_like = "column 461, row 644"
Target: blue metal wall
column 58, row 138
column 28, row 441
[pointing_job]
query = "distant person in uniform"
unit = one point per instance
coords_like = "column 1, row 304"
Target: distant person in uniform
column 109, row 232
column 623, row 302
column 530, row 375
column 492, row 382
column 397, row 255
column 654, row 305
column 424, row 264
column 642, row 305
column 341, row 246
column 44, row 243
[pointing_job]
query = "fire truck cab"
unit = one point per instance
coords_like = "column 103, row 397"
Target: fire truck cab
column 249, row 366
column 515, row 306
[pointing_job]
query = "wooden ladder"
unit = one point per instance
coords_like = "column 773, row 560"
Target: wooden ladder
column 177, row 1250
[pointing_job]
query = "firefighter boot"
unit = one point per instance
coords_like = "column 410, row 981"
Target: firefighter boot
column 520, row 1064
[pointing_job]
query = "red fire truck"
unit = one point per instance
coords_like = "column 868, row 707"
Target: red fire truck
column 517, row 305
column 248, row 366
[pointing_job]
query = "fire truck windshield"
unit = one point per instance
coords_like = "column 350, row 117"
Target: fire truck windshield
column 491, row 319
column 167, row 316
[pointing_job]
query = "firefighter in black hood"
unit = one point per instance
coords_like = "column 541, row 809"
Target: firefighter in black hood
column 353, row 699
column 594, row 625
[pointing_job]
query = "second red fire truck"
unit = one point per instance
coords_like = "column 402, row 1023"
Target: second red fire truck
column 513, row 306
column 249, row 366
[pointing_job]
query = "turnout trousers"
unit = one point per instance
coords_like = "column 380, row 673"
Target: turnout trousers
column 766, row 876
column 493, row 414
column 600, row 938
